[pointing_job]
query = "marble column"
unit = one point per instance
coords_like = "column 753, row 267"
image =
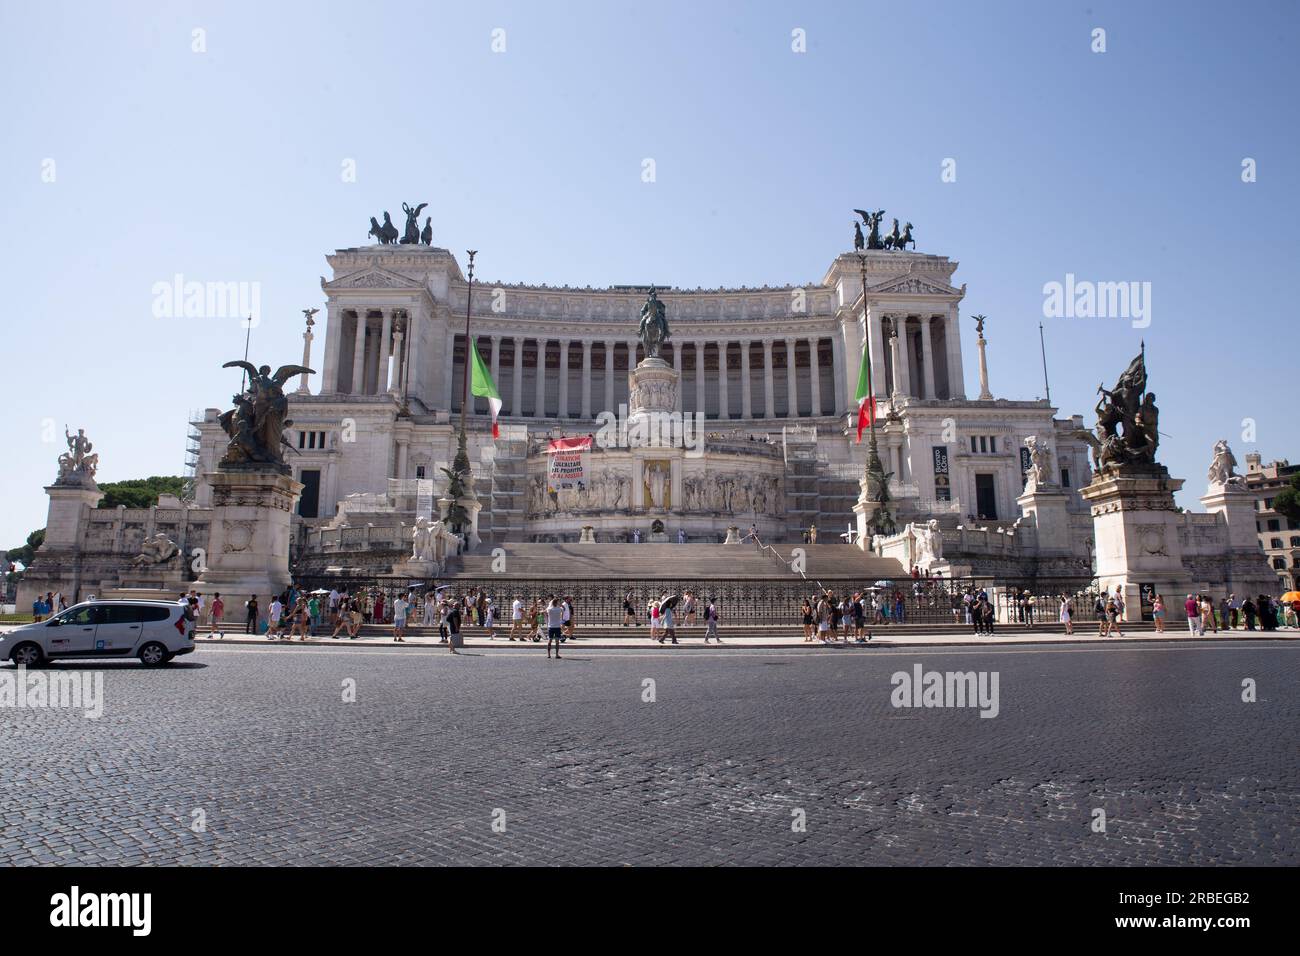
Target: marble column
column 564, row 379
column 952, row 337
column 677, row 367
column 699, row 378
column 903, row 370
column 769, row 394
column 791, row 381
column 586, row 378
column 876, row 336
column 609, row 377
column 724, row 401
column 746, row 386
column 927, row 358
column 496, row 363
column 333, row 339
column 517, row 383
column 540, row 411
column 815, row 373
column 448, row 369
column 385, row 355
column 359, row 355
column 837, row 370
column 401, row 458
column 399, row 338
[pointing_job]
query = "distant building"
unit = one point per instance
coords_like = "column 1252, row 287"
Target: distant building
column 1279, row 537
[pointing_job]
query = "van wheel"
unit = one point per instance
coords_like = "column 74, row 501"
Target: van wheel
column 154, row 654
column 28, row 655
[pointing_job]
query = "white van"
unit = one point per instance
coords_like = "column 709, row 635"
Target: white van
column 154, row 631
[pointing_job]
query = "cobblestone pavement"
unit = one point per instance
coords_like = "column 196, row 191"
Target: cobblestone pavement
column 257, row 745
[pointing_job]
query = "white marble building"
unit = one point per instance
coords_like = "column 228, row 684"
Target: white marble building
column 772, row 369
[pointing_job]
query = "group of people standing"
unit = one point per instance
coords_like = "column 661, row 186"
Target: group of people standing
column 831, row 619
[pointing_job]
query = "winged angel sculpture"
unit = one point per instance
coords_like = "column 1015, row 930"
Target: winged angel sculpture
column 257, row 422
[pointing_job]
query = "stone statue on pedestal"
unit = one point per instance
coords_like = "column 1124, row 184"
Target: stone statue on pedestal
column 422, row 539
column 77, row 465
column 1040, row 464
column 1223, row 467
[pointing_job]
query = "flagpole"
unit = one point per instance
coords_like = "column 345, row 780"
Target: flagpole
column 1043, row 348
column 875, row 481
column 462, row 452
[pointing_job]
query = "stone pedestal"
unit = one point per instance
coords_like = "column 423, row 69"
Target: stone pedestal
column 57, row 565
column 587, row 535
column 733, row 535
column 1136, row 529
column 1245, row 567
column 472, row 507
column 248, row 545
column 1046, row 505
column 652, row 399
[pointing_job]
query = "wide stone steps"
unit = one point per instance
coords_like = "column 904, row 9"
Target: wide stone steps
column 595, row 561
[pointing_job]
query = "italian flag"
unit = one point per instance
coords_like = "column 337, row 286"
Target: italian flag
column 866, row 395
column 481, row 384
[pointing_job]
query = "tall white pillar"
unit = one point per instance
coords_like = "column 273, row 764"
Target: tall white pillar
column 876, row 336
column 609, row 377
column 952, row 338
column 746, row 387
column 677, row 367
column 791, row 381
column 724, row 401
column 385, row 344
column 541, row 379
column 586, row 378
column 699, row 378
column 927, row 358
column 496, row 362
column 359, row 355
column 448, row 369
column 517, row 383
column 769, row 394
column 333, row 341
column 399, row 339
column 815, row 372
column 837, row 370
column 564, row 379
column 903, row 371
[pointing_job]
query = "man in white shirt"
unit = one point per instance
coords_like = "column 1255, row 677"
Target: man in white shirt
column 273, row 618
column 516, row 616
column 333, row 606
column 554, row 627
column 400, row 606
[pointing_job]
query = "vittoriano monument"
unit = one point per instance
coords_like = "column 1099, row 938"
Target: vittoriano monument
column 411, row 235
column 253, row 493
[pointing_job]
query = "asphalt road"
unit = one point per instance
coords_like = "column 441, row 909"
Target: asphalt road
column 250, row 755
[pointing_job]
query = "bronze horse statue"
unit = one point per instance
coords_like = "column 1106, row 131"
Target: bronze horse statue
column 386, row 234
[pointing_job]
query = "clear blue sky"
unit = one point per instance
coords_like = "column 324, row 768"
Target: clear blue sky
column 226, row 165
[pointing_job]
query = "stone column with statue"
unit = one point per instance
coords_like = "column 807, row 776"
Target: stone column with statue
column 253, row 491
column 1135, row 520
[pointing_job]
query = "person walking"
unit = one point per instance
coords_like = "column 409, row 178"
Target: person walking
column 490, row 620
column 1067, row 614
column 218, row 611
column 1099, row 612
column 1158, row 612
column 453, row 627
column 1113, row 613
column 250, row 611
column 1207, row 614
column 554, row 627
column 629, row 610
column 807, row 614
column 1193, row 611
column 652, row 613
column 1248, row 611
column 517, row 618
column 711, row 622
column 400, row 607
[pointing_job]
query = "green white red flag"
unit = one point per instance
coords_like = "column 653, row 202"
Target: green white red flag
column 866, row 395
column 481, row 384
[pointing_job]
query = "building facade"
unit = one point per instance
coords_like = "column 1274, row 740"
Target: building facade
column 772, row 371
column 1279, row 536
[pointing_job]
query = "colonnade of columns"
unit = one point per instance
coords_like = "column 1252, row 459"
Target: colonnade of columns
column 369, row 356
column 752, row 388
column 916, row 355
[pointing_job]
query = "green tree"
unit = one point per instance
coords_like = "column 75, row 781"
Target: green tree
column 140, row 492
column 1287, row 501
column 24, row 554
